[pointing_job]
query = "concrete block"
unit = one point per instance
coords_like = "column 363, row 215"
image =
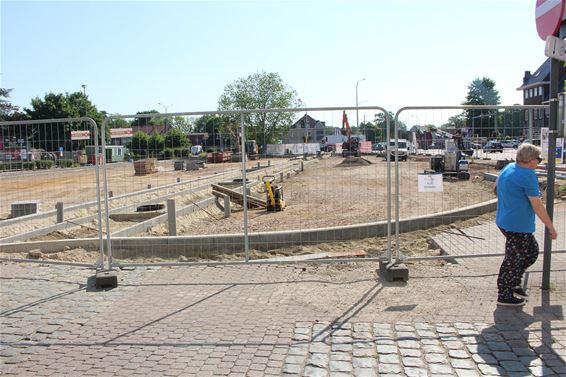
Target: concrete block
column 24, row 208
column 106, row 279
column 393, row 272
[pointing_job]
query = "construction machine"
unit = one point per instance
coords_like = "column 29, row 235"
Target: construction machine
column 252, row 149
column 451, row 164
column 350, row 147
column 274, row 193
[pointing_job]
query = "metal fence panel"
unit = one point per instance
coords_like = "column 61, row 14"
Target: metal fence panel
column 327, row 201
column 452, row 178
column 50, row 181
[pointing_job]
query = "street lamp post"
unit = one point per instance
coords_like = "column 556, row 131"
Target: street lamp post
column 84, row 99
column 357, row 82
column 165, row 107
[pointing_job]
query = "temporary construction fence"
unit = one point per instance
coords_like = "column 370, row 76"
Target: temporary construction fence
column 42, row 199
column 168, row 203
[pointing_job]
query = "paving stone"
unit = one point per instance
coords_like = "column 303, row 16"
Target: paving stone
column 513, row 366
column 365, row 362
column 458, row 354
column 311, row 371
column 484, row 358
column 466, row 373
column 318, row 360
column 412, row 362
column 410, row 352
column 389, row 368
column 389, row 359
column 440, row 368
column 415, row 372
column 365, row 372
column 386, row 349
column 462, row 363
column 436, row 358
column 340, row 366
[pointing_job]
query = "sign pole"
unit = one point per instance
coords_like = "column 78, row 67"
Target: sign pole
column 549, row 16
column 551, row 167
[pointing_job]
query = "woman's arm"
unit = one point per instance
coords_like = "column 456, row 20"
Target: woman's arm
column 540, row 211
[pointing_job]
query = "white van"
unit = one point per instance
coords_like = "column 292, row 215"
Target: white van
column 402, row 149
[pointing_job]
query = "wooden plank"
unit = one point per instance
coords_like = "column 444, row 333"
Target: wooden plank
column 238, row 197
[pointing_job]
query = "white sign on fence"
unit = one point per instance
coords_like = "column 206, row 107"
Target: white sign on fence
column 116, row 133
column 80, row 135
column 430, row 182
column 559, row 154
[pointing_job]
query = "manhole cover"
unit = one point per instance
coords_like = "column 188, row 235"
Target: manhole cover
column 150, row 207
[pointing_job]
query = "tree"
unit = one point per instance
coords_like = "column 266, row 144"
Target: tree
column 6, row 107
column 456, row 121
column 381, row 122
column 482, row 92
column 57, row 106
column 148, row 121
column 139, row 144
column 216, row 127
column 182, row 124
column 175, row 138
column 259, row 91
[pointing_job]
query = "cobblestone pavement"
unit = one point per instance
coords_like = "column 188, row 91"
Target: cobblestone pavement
column 300, row 320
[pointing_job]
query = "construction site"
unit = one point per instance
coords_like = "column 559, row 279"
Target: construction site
column 319, row 193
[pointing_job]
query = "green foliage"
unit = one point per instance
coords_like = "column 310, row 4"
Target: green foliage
column 175, row 138
column 156, row 143
column 57, row 106
column 381, row 127
column 65, row 163
column 44, row 164
column 216, row 127
column 6, row 107
column 481, row 92
column 149, row 121
column 17, row 165
column 118, row 123
column 181, row 123
column 139, row 144
column 259, row 91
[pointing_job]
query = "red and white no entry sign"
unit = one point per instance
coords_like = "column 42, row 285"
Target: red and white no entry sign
column 548, row 14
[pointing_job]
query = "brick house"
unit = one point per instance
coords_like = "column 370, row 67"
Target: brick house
column 306, row 129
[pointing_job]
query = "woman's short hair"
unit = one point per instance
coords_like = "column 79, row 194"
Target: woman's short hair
column 527, row 152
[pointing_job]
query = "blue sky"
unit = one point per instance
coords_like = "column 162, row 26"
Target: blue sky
column 133, row 55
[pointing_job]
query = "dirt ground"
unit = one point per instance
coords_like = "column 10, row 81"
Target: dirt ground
column 327, row 193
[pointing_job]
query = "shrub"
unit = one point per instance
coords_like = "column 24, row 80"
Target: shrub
column 44, row 164
column 168, row 153
column 65, row 163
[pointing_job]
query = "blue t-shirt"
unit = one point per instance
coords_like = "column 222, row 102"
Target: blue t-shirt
column 514, row 210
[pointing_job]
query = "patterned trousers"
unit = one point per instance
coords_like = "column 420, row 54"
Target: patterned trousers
column 521, row 251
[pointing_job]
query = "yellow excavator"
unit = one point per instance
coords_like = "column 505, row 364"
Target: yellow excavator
column 274, row 192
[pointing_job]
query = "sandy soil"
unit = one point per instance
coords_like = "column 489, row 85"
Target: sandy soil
column 326, row 193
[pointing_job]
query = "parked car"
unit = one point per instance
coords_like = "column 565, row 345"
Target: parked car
column 493, row 146
column 509, row 143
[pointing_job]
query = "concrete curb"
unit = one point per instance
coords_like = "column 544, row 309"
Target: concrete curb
column 203, row 246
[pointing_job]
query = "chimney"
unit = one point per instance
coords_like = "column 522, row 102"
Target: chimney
column 527, row 77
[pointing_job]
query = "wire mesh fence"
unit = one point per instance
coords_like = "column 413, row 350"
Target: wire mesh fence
column 220, row 187
column 50, row 181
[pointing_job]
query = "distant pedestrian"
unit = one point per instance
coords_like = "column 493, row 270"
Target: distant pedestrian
column 519, row 199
